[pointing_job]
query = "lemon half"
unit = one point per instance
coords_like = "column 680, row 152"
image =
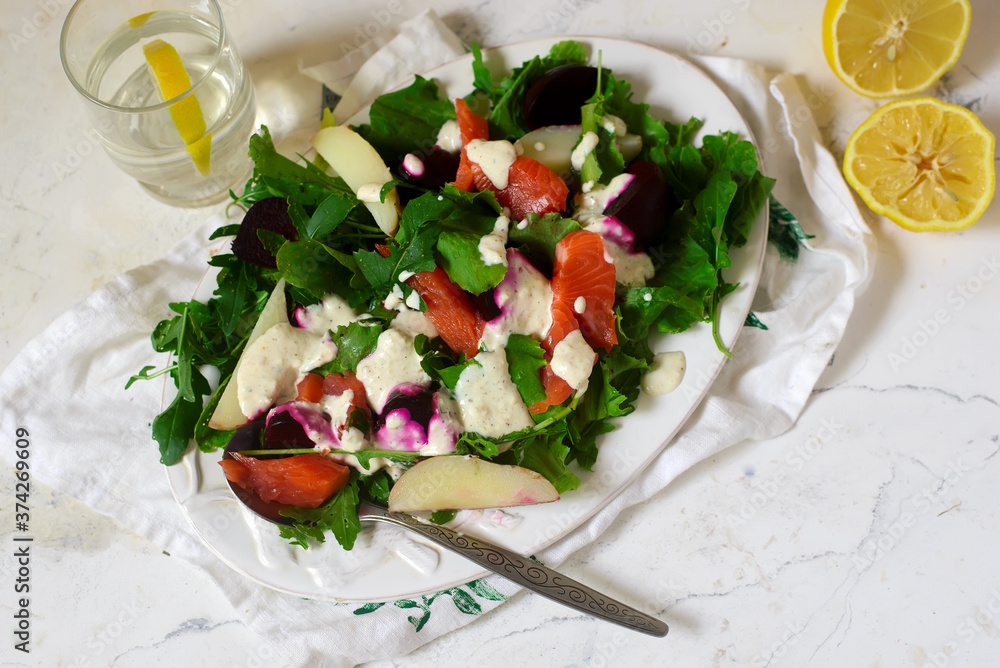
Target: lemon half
column 923, row 163
column 172, row 79
column 893, row 48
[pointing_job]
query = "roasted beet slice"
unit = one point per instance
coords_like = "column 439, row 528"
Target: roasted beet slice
column 486, row 304
column 268, row 214
column 427, row 169
column 556, row 97
column 416, row 400
column 645, row 205
column 284, row 432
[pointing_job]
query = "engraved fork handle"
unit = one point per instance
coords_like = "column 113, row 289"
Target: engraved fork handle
column 527, row 573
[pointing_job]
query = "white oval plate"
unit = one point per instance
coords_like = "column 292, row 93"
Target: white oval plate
column 387, row 563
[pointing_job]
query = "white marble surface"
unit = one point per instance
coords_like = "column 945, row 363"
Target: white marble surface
column 864, row 536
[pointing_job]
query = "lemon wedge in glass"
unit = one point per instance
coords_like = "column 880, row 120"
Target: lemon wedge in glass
column 893, row 48
column 923, row 163
column 172, row 80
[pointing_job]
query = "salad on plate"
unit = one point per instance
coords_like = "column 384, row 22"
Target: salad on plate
column 449, row 305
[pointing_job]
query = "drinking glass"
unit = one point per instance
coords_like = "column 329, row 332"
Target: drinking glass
column 190, row 149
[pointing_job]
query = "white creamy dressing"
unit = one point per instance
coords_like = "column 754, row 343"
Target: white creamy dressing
column 595, row 200
column 444, row 427
column 271, row 366
column 393, row 362
column 580, row 305
column 494, row 158
column 614, row 125
column 492, row 246
column 573, row 360
column 586, row 146
column 413, row 165
column 413, row 301
column 524, row 298
column 370, row 192
column 337, row 406
column 665, row 374
column 410, row 321
column 329, row 314
column 395, row 298
column 449, row 137
column 631, row 269
column 488, row 400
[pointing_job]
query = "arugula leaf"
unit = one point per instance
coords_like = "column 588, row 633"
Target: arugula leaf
column 567, row 52
column 377, row 486
column 415, row 253
column 173, row 427
column 232, row 297
column 145, row 375
column 524, row 359
column 462, row 220
column 540, row 235
column 407, row 120
column 309, row 264
column 471, row 443
column 208, row 439
column 439, row 362
column 339, row 516
column 482, row 78
column 329, row 214
column 547, row 456
column 354, row 342
column 462, row 260
column 443, row 516
column 224, row 231
column 277, row 169
column 507, row 116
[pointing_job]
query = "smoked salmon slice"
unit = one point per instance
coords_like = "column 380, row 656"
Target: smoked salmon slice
column 564, row 322
column 306, row 481
column 531, row 188
column 450, row 309
column 470, row 126
column 583, row 279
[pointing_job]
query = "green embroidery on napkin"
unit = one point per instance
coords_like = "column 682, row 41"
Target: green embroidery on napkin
column 463, row 597
column 785, row 232
column 753, row 321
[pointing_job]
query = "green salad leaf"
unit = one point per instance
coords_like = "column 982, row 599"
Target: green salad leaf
column 406, row 121
column 339, row 516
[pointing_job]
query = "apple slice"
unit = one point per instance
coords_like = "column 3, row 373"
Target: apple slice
column 553, row 146
column 451, row 482
column 227, row 413
column 362, row 168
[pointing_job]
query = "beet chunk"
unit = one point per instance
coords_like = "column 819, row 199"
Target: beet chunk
column 646, row 204
column 555, row 97
column 268, row 214
column 434, row 168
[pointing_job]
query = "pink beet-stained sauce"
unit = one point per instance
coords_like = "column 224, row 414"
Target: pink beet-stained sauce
column 401, row 433
column 413, row 165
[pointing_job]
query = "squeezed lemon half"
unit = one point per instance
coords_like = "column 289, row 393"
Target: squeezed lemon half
column 923, row 163
column 172, row 79
column 893, row 48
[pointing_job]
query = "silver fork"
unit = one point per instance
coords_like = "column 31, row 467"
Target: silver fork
column 520, row 570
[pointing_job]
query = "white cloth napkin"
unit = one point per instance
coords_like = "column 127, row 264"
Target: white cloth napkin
column 97, row 445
